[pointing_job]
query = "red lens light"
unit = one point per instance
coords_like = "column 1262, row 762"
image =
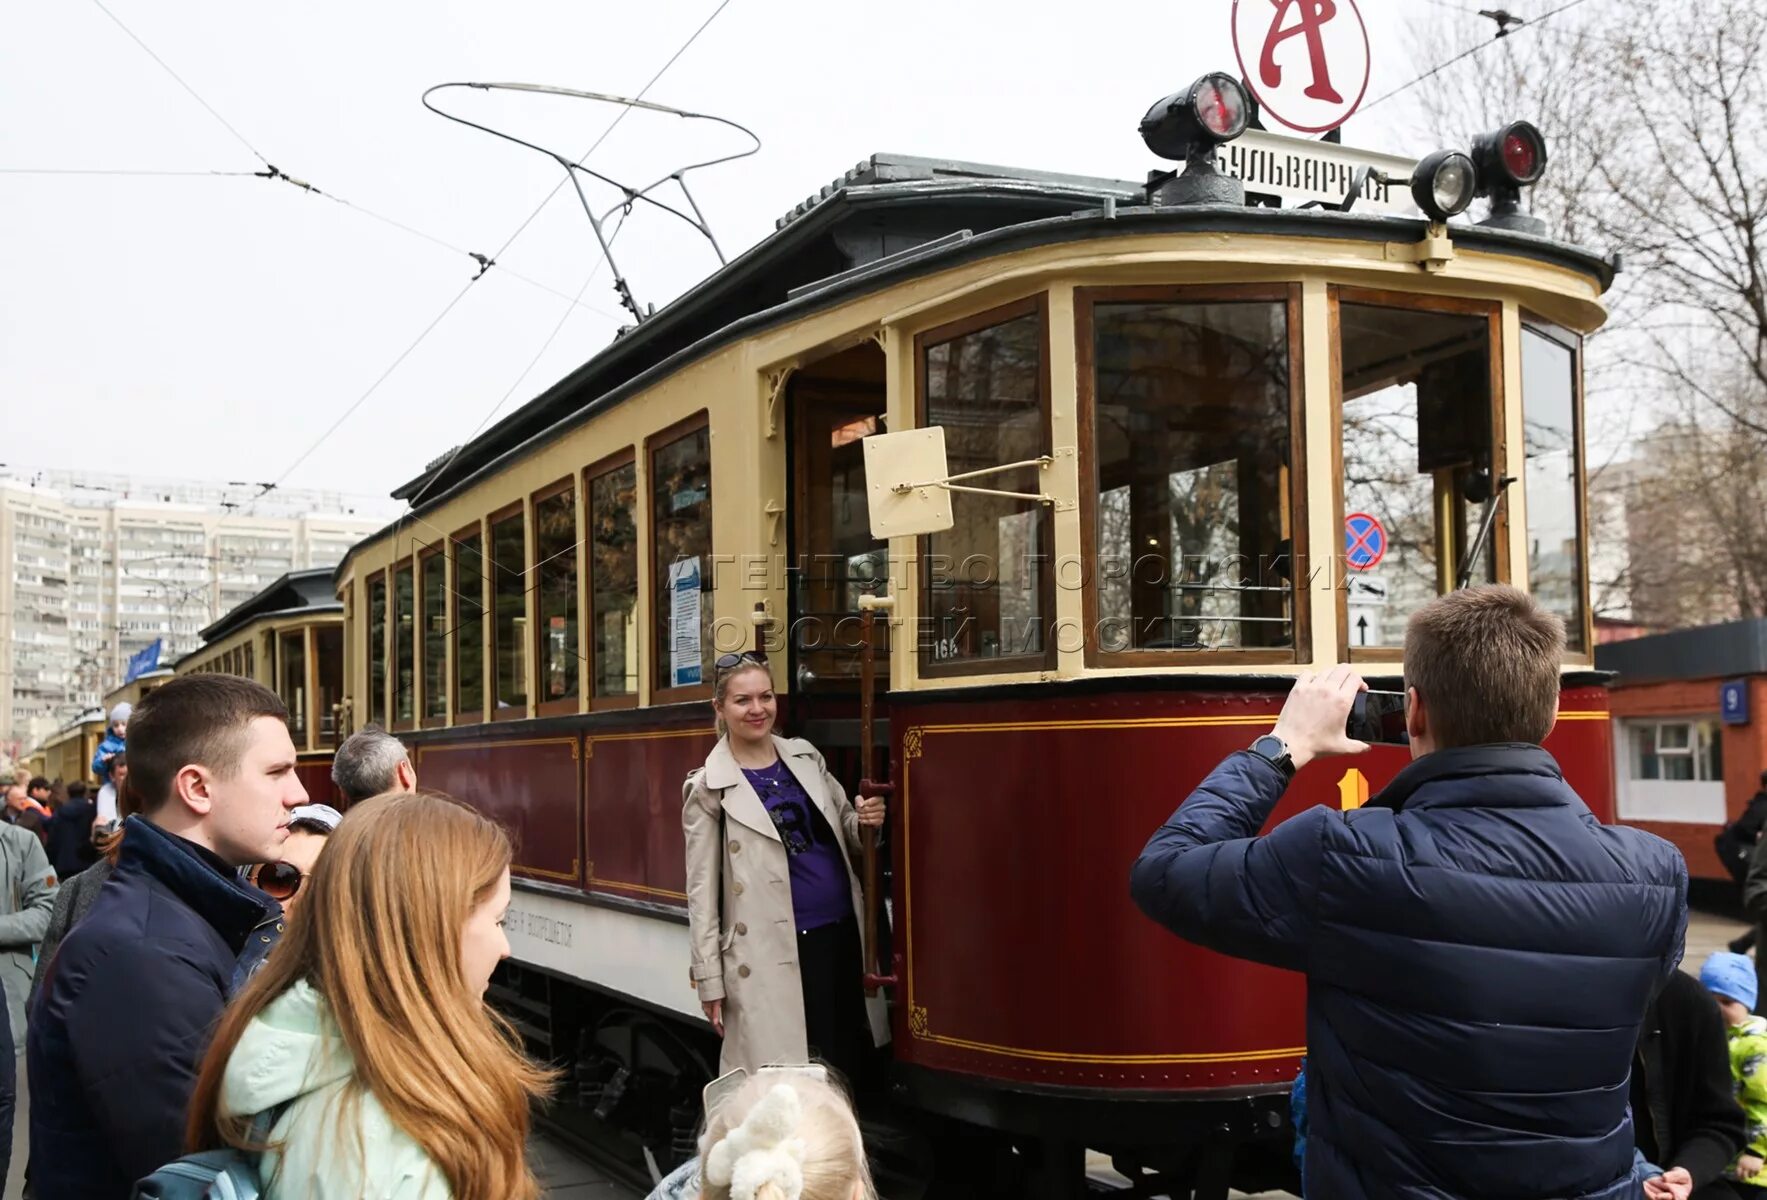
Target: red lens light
column 1220, row 109
column 1521, row 156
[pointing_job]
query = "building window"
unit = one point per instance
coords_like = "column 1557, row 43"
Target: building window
column 681, row 528
column 328, row 645
column 293, row 684
column 377, row 650
column 1552, row 478
column 986, row 580
column 404, row 646
column 613, row 581
column 1676, row 751
column 555, row 568
column 1194, row 528
column 509, row 604
column 469, row 628
column 435, row 637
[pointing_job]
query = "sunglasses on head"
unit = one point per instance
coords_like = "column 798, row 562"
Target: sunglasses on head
column 741, row 658
column 278, row 880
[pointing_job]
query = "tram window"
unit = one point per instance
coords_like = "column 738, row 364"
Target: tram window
column 1417, row 423
column 293, row 685
column 435, row 636
column 328, row 645
column 509, row 614
column 469, row 628
column 681, row 523
column 613, row 581
column 1549, row 433
column 250, row 670
column 1192, row 439
column 404, row 647
column 555, row 565
column 377, row 650
column 985, row 579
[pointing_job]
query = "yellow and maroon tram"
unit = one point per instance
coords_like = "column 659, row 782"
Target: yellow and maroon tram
column 1263, row 428
column 290, row 638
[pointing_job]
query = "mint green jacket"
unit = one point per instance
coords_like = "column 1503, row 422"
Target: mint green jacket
column 292, row 1053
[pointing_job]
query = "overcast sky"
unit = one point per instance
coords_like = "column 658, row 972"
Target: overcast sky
column 213, row 327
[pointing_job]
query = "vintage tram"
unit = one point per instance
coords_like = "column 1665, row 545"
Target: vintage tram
column 1259, row 429
column 290, row 638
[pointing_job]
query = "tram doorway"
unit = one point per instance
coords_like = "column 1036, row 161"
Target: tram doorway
column 832, row 405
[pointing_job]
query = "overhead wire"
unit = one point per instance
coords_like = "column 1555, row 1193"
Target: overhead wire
column 1531, row 23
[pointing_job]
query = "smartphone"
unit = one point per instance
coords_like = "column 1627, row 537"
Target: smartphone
column 1379, row 719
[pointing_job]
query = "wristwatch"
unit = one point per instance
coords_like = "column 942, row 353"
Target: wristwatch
column 1274, row 751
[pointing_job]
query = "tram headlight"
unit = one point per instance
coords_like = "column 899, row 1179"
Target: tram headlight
column 1508, row 160
column 1444, row 184
column 1213, row 110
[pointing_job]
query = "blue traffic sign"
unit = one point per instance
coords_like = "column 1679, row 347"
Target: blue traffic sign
column 1733, row 702
column 1365, row 542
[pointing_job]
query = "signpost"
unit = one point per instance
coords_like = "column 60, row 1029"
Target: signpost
column 1307, row 61
column 1733, row 701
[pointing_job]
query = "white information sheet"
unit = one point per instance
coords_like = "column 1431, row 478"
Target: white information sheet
column 684, row 631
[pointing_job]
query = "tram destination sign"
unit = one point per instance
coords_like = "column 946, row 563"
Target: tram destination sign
column 1294, row 170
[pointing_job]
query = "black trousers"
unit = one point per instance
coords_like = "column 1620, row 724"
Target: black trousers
column 834, row 997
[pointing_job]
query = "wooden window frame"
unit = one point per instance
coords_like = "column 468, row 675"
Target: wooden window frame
column 281, row 634
column 1553, row 332
column 570, row 704
column 407, row 563
column 928, row 667
column 1338, row 295
column 627, row 457
column 318, row 735
column 381, row 713
column 661, row 439
column 427, row 559
column 458, row 716
column 1301, row 565
column 516, row 508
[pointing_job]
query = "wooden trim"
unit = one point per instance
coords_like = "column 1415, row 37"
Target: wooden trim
column 1339, row 584
column 606, row 465
column 394, row 570
column 1034, row 305
column 474, row 531
column 1499, row 540
column 1418, row 301
column 421, row 699
column 493, row 571
column 311, row 661
column 571, row 703
column 1085, row 331
column 668, row 436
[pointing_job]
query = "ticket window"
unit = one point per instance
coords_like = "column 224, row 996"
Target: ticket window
column 1417, row 452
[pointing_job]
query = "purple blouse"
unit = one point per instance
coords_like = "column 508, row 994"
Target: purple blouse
column 820, row 892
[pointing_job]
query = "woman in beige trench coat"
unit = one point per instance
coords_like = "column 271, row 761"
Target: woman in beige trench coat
column 772, row 896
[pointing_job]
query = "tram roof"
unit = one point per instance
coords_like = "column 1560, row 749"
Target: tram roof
column 888, row 219
column 298, row 591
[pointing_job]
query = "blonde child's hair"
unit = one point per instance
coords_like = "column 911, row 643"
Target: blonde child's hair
column 790, row 1138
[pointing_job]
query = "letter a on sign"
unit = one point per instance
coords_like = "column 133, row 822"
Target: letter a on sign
column 1312, row 58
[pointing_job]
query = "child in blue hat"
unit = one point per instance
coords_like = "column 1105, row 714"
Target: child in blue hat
column 1731, row 980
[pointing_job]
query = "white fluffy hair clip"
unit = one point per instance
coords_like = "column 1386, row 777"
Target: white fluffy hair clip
column 762, row 1149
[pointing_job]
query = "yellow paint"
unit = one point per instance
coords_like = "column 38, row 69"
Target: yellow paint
column 1352, row 790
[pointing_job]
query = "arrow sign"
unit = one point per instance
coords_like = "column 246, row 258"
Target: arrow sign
column 1362, row 631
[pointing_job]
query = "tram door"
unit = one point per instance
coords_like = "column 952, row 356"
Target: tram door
column 832, row 405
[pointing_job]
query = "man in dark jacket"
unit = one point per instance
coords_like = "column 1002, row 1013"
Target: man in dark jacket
column 130, row 1000
column 1479, row 950
column 1686, row 1118
column 69, row 840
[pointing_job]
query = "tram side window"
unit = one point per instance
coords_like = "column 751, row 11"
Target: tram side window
column 469, row 629
column 613, row 580
column 1191, row 434
column 293, row 685
column 555, row 563
column 1555, row 519
column 377, row 650
column 509, row 612
column 985, row 578
column 404, row 649
column 681, row 523
column 328, row 645
column 1416, row 452
column 435, row 637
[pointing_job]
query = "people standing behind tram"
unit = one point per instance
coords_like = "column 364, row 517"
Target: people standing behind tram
column 128, row 1002
column 1479, row 949
column 109, row 802
column 366, row 1038
column 772, row 896
column 372, row 762
column 115, row 738
column 69, row 837
column 26, row 811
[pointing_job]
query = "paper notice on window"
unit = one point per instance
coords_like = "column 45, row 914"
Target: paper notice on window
column 684, row 632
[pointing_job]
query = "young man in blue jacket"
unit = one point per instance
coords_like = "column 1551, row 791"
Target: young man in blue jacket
column 130, row 999
column 1479, row 949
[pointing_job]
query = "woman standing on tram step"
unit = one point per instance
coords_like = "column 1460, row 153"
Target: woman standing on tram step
column 772, row 896
column 365, row 1043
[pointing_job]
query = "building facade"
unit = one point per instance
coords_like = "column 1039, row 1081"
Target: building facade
column 94, row 568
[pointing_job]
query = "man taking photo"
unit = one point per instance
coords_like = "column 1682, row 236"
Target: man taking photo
column 1479, row 950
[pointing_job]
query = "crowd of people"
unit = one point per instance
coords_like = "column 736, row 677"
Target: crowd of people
column 227, row 978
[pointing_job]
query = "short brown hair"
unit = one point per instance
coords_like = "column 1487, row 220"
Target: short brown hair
column 1485, row 661
column 198, row 719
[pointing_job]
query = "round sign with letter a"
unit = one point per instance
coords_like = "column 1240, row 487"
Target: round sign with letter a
column 1307, row 61
column 1365, row 542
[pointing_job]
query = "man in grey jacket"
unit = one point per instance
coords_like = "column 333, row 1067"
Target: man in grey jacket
column 27, row 894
